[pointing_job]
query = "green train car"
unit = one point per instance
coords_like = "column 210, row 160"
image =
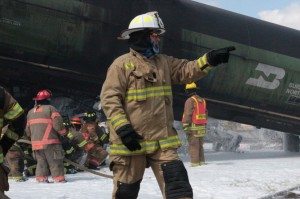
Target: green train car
column 67, row 46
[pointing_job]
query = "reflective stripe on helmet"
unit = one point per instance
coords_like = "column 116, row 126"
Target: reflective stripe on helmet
column 76, row 120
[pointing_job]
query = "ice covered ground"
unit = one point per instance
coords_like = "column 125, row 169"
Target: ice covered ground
column 227, row 175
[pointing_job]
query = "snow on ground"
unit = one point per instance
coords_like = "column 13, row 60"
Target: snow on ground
column 227, row 175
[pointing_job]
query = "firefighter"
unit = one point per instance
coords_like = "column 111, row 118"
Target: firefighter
column 76, row 124
column 45, row 127
column 12, row 116
column 194, row 122
column 69, row 146
column 94, row 134
column 137, row 100
column 95, row 130
column 75, row 144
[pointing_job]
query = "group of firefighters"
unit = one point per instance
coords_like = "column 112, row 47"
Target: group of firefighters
column 80, row 140
column 137, row 99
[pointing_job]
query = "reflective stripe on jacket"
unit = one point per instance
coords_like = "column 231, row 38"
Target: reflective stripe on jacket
column 190, row 111
column 44, row 126
column 138, row 91
column 10, row 111
column 147, row 146
column 76, row 139
column 199, row 111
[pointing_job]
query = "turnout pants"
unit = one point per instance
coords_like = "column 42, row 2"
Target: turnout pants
column 130, row 169
column 16, row 164
column 3, row 196
column 196, row 150
column 4, row 186
column 50, row 159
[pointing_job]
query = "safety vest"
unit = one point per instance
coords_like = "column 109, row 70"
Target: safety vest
column 199, row 114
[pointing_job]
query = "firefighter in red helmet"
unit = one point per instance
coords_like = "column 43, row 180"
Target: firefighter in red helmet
column 76, row 123
column 44, row 127
column 43, row 94
column 74, row 144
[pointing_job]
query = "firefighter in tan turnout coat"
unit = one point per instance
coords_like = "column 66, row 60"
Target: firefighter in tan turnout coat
column 44, row 127
column 194, row 124
column 12, row 116
column 94, row 135
column 137, row 100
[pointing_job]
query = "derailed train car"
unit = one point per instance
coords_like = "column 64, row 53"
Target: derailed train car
column 67, row 46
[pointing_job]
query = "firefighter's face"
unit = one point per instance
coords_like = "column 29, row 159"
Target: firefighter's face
column 154, row 38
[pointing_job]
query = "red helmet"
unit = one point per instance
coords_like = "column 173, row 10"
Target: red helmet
column 43, row 94
column 76, row 120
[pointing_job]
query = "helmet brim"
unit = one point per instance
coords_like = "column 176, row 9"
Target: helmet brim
column 37, row 98
column 79, row 123
column 125, row 34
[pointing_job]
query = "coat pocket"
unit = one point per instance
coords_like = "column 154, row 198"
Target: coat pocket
column 118, row 161
column 139, row 92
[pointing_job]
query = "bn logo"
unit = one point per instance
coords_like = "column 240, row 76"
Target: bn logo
column 263, row 81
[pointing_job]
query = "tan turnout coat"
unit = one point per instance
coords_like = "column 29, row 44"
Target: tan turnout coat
column 138, row 91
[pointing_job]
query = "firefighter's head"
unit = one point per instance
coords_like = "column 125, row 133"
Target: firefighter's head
column 76, row 123
column 43, row 97
column 90, row 117
column 191, row 89
column 143, row 33
column 66, row 123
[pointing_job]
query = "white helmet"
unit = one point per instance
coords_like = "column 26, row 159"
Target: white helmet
column 150, row 20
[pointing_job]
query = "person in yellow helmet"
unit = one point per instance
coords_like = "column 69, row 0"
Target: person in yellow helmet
column 194, row 122
column 137, row 99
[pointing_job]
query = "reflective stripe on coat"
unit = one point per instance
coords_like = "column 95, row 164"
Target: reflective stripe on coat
column 138, row 91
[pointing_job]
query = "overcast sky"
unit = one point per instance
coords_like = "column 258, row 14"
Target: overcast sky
column 283, row 12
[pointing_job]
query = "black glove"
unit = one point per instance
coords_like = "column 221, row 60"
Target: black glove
column 6, row 143
column 218, row 56
column 129, row 137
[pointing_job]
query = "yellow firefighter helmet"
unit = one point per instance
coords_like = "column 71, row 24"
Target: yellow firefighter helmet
column 191, row 86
